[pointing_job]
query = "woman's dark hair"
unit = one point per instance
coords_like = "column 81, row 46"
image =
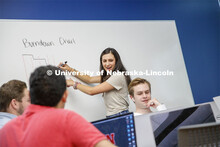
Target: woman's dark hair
column 118, row 65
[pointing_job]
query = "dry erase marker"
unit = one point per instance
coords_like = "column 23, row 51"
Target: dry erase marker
column 152, row 103
column 63, row 64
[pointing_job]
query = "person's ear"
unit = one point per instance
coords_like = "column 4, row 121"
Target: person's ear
column 132, row 98
column 65, row 95
column 64, row 99
column 14, row 104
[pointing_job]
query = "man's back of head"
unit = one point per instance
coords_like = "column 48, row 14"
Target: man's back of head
column 46, row 88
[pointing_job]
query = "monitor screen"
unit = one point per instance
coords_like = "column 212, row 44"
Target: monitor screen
column 120, row 130
column 165, row 125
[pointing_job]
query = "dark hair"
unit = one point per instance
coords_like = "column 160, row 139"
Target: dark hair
column 47, row 88
column 13, row 89
column 118, row 65
column 136, row 82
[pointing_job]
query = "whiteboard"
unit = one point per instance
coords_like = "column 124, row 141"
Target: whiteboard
column 145, row 47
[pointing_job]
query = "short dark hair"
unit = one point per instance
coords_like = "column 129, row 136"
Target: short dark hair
column 136, row 82
column 13, row 89
column 46, row 88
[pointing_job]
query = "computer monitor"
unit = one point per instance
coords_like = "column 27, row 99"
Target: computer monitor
column 120, row 130
column 165, row 125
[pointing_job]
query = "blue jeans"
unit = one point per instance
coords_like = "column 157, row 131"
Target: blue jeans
column 117, row 114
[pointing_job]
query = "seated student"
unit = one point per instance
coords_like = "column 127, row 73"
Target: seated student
column 140, row 93
column 14, row 98
column 45, row 122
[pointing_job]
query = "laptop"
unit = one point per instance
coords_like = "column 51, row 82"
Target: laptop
column 161, row 128
column 165, row 125
column 120, row 130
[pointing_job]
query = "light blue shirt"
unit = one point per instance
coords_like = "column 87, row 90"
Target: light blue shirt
column 5, row 117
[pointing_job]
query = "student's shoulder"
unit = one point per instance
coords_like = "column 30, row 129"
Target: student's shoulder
column 64, row 111
column 117, row 76
column 71, row 118
column 13, row 122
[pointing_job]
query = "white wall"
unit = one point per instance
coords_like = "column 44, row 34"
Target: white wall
column 142, row 45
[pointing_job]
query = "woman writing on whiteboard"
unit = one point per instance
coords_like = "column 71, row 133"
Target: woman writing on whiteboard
column 113, row 86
